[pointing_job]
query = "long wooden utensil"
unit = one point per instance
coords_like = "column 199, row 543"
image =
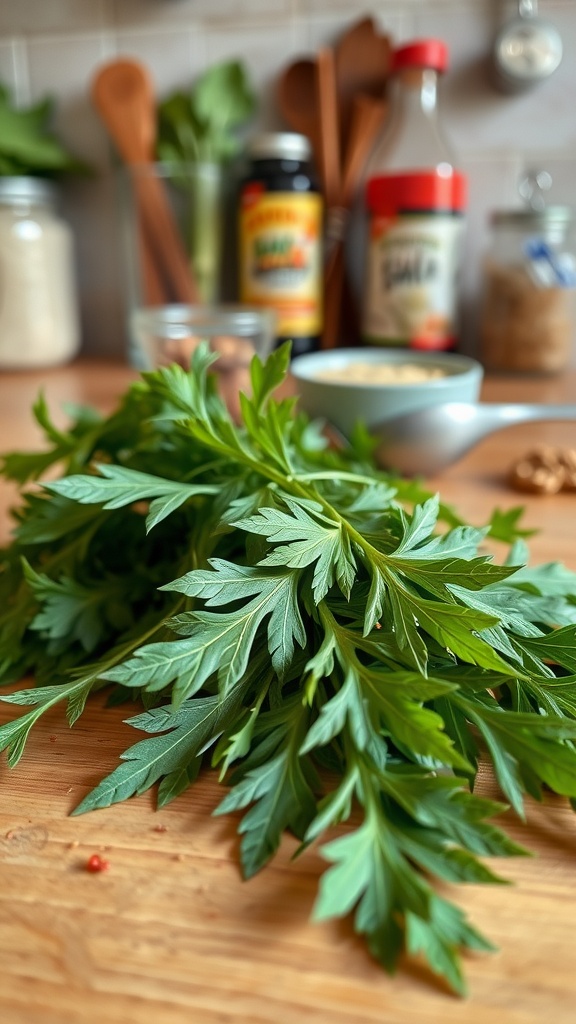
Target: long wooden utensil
column 297, row 99
column 329, row 130
column 367, row 117
column 362, row 65
column 123, row 96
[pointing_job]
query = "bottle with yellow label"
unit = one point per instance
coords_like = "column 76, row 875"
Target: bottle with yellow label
column 280, row 237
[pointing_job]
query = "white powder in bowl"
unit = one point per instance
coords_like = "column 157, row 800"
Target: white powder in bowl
column 380, row 373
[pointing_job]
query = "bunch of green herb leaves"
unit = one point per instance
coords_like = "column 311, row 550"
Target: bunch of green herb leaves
column 333, row 640
column 200, row 125
column 28, row 146
column 198, row 134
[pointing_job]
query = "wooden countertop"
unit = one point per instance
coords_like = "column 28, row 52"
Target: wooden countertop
column 170, row 933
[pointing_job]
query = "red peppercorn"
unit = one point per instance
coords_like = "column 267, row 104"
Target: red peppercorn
column 96, row 863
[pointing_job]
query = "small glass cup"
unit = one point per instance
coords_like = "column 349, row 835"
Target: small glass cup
column 171, row 218
column 170, row 334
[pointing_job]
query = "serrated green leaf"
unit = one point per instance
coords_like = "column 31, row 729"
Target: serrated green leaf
column 303, row 540
column 268, row 375
column 118, row 486
column 558, row 646
column 69, row 611
column 177, row 782
column 276, row 593
column 334, row 808
column 195, row 722
column 346, row 705
column 281, row 798
column 336, row 638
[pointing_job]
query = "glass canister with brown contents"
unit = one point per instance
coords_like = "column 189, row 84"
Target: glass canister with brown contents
column 527, row 321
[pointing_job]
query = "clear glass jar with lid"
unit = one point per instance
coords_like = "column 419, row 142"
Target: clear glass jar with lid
column 39, row 323
column 527, row 319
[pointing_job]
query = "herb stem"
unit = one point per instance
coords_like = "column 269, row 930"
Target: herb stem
column 117, row 654
column 335, row 475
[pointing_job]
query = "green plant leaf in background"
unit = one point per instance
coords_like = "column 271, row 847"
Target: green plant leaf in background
column 197, row 134
column 200, row 125
column 27, row 145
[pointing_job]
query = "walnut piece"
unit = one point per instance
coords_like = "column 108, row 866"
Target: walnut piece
column 545, row 470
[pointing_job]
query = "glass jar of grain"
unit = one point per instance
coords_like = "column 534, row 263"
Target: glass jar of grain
column 39, row 324
column 527, row 318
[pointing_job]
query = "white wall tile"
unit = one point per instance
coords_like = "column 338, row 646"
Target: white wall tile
column 173, row 57
column 170, row 12
column 35, row 16
column 359, row 8
column 324, row 29
column 63, row 66
column 264, row 51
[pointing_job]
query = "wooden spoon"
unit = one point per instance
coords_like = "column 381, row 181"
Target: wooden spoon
column 367, row 117
column 297, row 98
column 362, row 62
column 123, row 96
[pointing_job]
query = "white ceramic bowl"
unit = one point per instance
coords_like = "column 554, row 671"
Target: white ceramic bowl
column 343, row 402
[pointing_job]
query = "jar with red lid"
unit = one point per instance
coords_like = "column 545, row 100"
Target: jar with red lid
column 414, row 204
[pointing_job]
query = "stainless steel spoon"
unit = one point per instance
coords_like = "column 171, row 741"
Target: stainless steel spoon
column 427, row 440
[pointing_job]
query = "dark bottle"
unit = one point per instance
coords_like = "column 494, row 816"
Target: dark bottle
column 280, row 237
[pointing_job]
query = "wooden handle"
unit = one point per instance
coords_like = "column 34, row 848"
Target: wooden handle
column 368, row 116
column 333, row 287
column 122, row 94
column 163, row 238
column 153, row 288
column 329, row 132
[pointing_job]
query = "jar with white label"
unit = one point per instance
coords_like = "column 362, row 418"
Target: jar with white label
column 39, row 323
column 527, row 322
column 414, row 203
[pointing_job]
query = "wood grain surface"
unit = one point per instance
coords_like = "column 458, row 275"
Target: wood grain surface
column 170, row 934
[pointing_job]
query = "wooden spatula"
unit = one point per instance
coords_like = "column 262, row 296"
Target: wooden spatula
column 362, row 62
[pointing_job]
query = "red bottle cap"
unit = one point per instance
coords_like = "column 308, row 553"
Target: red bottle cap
column 421, row 53
column 387, row 195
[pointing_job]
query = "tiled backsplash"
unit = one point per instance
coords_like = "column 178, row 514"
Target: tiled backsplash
column 55, row 46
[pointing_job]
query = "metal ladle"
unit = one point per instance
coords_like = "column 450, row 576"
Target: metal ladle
column 427, row 440
column 528, row 49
